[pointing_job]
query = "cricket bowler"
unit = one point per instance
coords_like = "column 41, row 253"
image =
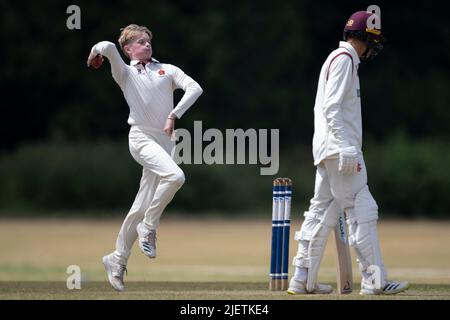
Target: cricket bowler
column 341, row 177
column 148, row 87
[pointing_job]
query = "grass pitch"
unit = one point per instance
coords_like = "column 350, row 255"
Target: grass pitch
column 200, row 259
column 193, row 291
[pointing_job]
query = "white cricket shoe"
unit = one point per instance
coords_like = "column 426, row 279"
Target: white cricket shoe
column 299, row 287
column 392, row 287
column 115, row 272
column 147, row 240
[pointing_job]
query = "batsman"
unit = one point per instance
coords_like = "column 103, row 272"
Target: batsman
column 341, row 177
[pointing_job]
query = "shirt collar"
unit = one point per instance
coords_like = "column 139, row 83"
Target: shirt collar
column 349, row 47
column 135, row 62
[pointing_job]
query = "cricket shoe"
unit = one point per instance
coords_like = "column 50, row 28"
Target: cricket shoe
column 147, row 240
column 115, row 272
column 299, row 287
column 392, row 287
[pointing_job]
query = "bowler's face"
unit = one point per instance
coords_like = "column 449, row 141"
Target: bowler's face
column 140, row 48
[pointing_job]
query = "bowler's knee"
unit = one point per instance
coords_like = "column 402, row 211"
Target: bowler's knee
column 177, row 178
column 180, row 179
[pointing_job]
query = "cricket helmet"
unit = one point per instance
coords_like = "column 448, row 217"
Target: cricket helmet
column 357, row 26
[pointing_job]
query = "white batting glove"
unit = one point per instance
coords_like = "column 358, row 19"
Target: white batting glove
column 348, row 160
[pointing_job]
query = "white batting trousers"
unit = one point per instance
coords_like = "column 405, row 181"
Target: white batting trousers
column 161, row 179
column 330, row 184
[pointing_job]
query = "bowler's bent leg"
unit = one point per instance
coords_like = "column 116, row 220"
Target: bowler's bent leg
column 128, row 234
column 171, row 178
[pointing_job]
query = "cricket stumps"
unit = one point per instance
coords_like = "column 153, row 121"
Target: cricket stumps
column 281, row 225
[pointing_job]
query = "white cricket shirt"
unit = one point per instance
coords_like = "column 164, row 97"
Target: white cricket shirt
column 149, row 90
column 337, row 109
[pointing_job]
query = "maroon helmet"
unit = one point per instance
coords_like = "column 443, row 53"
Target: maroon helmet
column 359, row 26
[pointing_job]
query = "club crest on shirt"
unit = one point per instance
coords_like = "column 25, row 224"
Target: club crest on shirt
column 161, row 72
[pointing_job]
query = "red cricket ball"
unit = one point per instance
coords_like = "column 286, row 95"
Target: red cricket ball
column 97, row 61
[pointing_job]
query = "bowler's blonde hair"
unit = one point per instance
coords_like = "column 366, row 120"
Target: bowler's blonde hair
column 129, row 33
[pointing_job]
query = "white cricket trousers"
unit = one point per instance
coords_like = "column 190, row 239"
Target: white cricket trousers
column 330, row 185
column 161, row 179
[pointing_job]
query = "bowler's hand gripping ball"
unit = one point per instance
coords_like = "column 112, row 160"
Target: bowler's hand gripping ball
column 97, row 61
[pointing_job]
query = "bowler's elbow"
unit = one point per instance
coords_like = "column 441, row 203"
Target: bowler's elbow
column 198, row 89
column 105, row 47
column 194, row 90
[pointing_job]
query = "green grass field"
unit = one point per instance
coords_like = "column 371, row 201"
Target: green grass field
column 200, row 259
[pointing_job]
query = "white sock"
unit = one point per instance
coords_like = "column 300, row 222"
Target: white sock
column 301, row 274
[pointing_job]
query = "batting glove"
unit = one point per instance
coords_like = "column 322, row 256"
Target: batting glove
column 348, row 160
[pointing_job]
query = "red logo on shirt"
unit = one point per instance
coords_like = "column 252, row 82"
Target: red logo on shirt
column 161, row 72
column 358, row 168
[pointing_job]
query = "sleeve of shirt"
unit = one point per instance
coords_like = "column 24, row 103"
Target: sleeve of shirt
column 338, row 84
column 192, row 91
column 109, row 50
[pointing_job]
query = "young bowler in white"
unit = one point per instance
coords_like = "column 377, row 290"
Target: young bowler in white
column 341, row 178
column 148, row 87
